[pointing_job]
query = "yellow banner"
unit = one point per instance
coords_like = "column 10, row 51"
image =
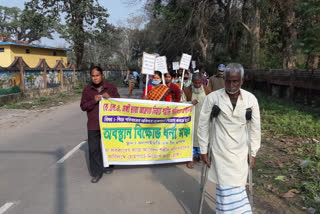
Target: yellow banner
column 145, row 132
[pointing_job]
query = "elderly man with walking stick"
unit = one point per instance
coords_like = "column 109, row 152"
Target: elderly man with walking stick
column 235, row 139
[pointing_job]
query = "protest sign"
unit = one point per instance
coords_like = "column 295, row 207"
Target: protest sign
column 185, row 61
column 193, row 64
column 184, row 64
column 148, row 66
column 135, row 132
column 175, row 65
column 148, row 63
column 161, row 64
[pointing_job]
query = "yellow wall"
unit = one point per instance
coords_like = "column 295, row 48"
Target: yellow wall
column 5, row 57
column 32, row 59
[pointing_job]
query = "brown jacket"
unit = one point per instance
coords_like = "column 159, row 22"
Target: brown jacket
column 89, row 105
column 188, row 92
column 216, row 83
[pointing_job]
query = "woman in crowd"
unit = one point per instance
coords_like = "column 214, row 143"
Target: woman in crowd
column 157, row 91
column 175, row 79
column 174, row 94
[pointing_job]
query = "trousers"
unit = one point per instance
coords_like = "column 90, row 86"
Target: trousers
column 95, row 154
column 131, row 86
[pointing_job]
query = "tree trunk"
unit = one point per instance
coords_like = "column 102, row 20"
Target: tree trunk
column 79, row 40
column 203, row 41
column 315, row 64
column 255, row 34
column 312, row 61
column 79, row 48
column 289, row 34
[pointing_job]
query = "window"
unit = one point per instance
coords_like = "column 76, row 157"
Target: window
column 54, row 53
column 27, row 51
column 1, row 49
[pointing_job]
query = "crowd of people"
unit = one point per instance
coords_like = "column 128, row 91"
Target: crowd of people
column 195, row 87
column 229, row 134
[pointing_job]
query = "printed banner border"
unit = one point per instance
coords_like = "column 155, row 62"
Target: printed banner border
column 106, row 163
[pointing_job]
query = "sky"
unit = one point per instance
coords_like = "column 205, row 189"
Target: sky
column 118, row 11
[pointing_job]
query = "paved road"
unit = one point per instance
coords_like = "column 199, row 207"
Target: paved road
column 34, row 179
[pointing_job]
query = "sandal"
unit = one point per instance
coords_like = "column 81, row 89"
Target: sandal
column 190, row 165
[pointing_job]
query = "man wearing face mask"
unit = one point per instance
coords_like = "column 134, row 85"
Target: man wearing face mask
column 230, row 155
column 186, row 80
column 91, row 96
column 195, row 94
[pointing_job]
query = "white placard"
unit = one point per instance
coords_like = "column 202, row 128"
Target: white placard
column 161, row 64
column 175, row 66
column 185, row 61
column 148, row 63
column 193, row 64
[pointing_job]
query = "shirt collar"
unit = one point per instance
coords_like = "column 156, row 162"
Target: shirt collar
column 226, row 95
column 104, row 85
column 197, row 90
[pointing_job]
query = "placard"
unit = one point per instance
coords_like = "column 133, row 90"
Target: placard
column 161, row 64
column 193, row 64
column 175, row 66
column 185, row 61
column 148, row 63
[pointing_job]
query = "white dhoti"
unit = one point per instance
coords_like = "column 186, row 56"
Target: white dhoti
column 232, row 200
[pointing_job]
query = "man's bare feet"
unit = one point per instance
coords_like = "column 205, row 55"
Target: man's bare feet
column 190, row 165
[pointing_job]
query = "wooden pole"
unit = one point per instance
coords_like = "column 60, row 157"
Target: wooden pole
column 61, row 78
column 74, row 76
column 182, row 78
column 22, row 86
column 44, row 75
column 147, row 81
column 163, row 80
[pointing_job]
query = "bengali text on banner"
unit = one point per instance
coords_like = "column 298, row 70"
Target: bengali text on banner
column 137, row 132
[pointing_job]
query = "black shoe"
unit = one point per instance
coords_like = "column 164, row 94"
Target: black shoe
column 108, row 170
column 96, row 179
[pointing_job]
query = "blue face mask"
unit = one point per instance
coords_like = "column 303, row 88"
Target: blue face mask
column 156, row 82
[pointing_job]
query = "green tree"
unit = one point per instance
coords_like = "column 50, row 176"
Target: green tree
column 24, row 25
column 101, row 45
column 79, row 18
column 309, row 31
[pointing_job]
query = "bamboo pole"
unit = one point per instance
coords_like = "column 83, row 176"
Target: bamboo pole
column 182, row 78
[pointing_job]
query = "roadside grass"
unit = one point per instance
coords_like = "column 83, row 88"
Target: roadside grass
column 288, row 164
column 283, row 119
column 52, row 100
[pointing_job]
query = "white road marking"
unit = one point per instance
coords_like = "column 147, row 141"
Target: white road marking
column 70, row 153
column 7, row 206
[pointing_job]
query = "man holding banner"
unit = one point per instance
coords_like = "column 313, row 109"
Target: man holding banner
column 91, row 96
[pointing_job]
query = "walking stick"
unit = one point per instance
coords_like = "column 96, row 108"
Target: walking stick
column 248, row 118
column 204, row 172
